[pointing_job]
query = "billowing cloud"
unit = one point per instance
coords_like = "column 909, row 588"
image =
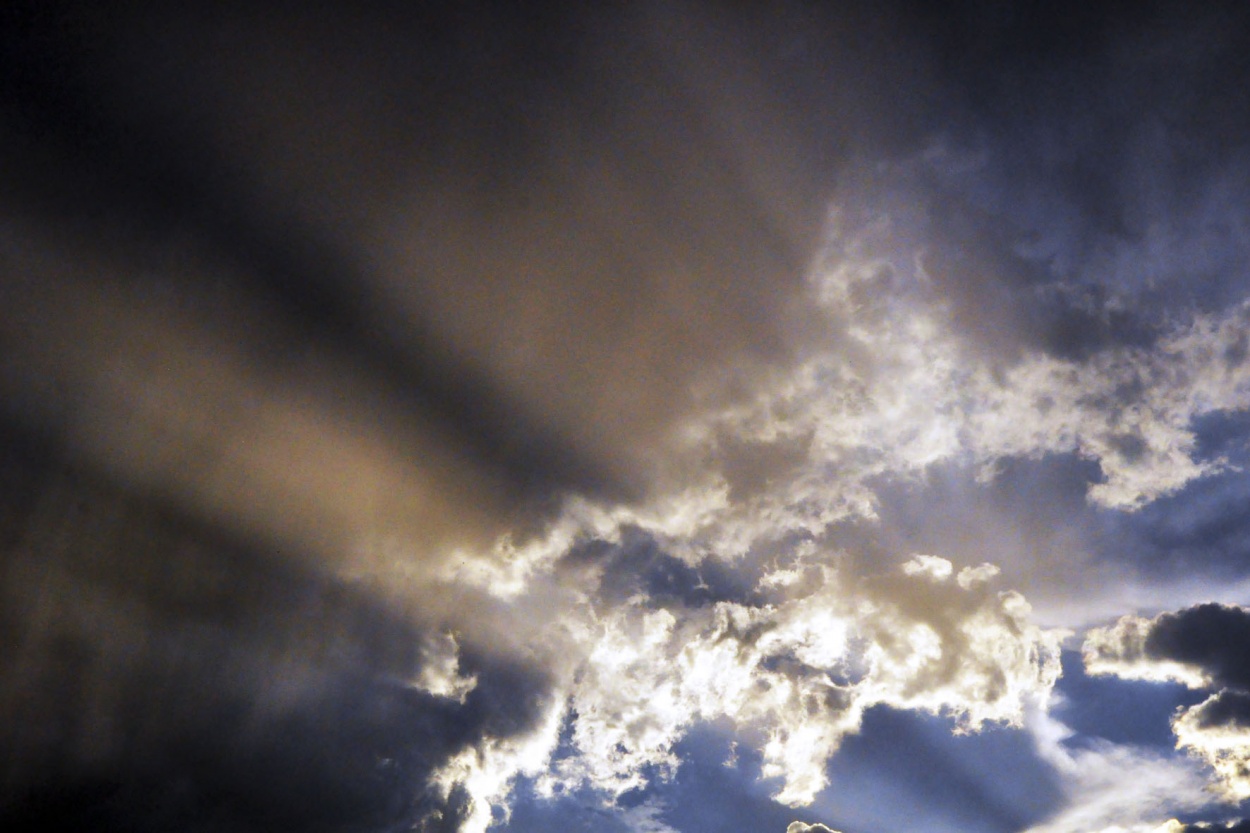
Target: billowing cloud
column 801, row 827
column 794, row 667
column 1120, row 649
column 1218, row 731
column 1202, row 646
column 1128, row 409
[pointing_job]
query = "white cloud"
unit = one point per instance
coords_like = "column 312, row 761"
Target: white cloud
column 794, row 675
column 935, row 568
column 970, row 577
column 440, row 669
column 799, row 673
column 646, row 818
column 1129, row 409
column 487, row 770
column 800, row 827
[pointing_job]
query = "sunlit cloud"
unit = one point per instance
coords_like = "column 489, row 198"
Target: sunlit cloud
column 1218, row 732
column 797, row 673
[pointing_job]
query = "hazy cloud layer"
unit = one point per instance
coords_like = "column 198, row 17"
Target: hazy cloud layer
column 1115, row 787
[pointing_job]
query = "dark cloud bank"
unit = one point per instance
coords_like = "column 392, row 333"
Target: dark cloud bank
column 159, row 676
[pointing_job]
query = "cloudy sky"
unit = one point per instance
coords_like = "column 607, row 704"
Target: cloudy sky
column 658, row 417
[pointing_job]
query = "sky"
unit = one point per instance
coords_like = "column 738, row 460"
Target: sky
column 655, row 417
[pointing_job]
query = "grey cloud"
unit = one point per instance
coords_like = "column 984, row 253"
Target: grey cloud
column 470, row 260
column 1225, row 709
column 1213, row 637
column 1202, row 646
column 1085, row 182
column 482, row 243
column 160, row 676
column 1198, row 532
column 451, row 206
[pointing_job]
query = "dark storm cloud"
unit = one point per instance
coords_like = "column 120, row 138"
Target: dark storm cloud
column 1228, row 709
column 1203, row 646
column 1213, row 637
column 160, row 677
column 483, row 257
column 316, row 273
column 118, row 149
column 542, row 230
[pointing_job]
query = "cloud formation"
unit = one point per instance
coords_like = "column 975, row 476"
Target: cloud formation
column 794, row 668
column 561, row 352
column 1203, row 647
column 889, row 391
column 897, row 390
column 800, row 827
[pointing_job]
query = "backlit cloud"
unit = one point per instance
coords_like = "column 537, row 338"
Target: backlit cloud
column 801, row 827
column 795, row 670
column 1203, row 647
